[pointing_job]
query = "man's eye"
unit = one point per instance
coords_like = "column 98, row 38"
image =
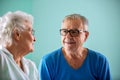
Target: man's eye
column 65, row 31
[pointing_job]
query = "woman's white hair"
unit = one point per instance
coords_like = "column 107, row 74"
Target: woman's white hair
column 10, row 21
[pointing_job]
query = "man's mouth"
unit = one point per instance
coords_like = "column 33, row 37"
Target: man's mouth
column 70, row 42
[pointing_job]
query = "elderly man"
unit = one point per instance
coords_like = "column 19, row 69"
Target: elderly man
column 73, row 61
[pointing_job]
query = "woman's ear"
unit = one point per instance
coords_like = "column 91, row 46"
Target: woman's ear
column 16, row 34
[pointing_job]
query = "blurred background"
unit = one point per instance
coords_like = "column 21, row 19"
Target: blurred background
column 104, row 25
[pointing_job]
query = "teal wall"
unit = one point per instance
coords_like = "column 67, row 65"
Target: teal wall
column 104, row 25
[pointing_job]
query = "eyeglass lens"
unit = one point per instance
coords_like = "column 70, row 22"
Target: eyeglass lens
column 73, row 33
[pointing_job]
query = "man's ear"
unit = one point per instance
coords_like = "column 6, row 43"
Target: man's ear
column 16, row 34
column 86, row 35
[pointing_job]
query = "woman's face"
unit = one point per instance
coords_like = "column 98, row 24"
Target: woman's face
column 27, row 38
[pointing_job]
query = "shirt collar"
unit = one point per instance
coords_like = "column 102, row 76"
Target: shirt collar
column 6, row 51
column 24, row 61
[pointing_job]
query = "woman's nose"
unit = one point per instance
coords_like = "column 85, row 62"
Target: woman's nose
column 34, row 39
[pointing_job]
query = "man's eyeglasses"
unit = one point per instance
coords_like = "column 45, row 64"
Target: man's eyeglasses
column 73, row 33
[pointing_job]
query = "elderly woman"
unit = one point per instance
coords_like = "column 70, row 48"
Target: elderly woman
column 17, row 40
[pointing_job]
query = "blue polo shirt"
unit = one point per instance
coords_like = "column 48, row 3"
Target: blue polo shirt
column 54, row 66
